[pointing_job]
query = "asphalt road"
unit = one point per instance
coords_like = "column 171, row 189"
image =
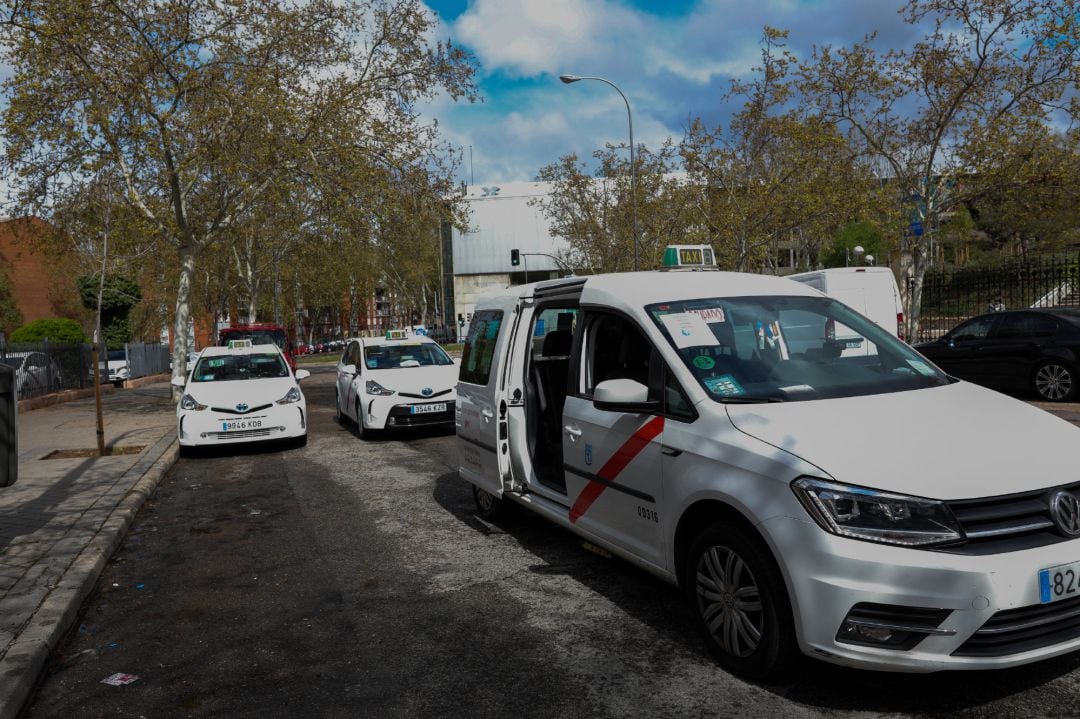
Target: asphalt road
column 351, row 579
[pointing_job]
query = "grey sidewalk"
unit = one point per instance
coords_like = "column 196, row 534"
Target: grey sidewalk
column 63, row 519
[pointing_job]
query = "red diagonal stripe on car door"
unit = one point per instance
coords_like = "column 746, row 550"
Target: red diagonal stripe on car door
column 615, row 465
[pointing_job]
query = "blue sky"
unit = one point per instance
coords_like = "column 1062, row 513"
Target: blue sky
column 673, row 60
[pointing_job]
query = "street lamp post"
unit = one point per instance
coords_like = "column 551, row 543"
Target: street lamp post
column 633, row 166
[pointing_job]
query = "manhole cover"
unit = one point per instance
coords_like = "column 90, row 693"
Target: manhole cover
column 83, row 453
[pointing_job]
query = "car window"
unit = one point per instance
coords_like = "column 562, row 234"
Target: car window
column 976, row 329
column 553, row 332
column 676, row 403
column 614, row 349
column 229, row 368
column 1026, row 324
column 479, row 350
column 788, row 348
column 406, row 354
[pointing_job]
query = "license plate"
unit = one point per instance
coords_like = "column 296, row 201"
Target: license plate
column 428, row 408
column 1060, row 582
column 241, row 424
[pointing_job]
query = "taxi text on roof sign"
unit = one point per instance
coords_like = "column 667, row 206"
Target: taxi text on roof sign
column 239, row 344
column 397, row 334
column 688, row 257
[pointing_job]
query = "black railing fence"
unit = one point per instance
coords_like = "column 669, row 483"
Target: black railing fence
column 952, row 296
column 47, row 367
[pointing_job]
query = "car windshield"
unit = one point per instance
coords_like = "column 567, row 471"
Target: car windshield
column 227, row 368
column 115, row 355
column 788, row 348
column 412, row 354
column 257, row 337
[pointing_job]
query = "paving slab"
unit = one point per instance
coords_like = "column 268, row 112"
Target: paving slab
column 63, row 519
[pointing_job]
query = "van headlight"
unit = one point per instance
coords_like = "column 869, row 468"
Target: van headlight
column 293, row 395
column 374, row 387
column 874, row 516
column 188, row 402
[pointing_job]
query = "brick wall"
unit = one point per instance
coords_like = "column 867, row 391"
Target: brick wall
column 44, row 286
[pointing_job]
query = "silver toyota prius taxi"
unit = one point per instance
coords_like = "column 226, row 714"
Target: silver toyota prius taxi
column 811, row 482
column 241, row 393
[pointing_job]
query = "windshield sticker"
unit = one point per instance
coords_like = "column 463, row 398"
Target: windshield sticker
column 704, row 362
column 921, row 367
column 689, row 330
column 796, row 388
column 216, row 362
column 725, row 385
column 711, row 315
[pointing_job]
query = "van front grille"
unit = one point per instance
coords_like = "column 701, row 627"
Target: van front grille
column 1008, row 524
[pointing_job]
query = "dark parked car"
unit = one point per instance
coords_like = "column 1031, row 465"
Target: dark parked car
column 1035, row 349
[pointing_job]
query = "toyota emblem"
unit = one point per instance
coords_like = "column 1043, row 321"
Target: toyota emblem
column 1065, row 510
column 427, row 391
column 241, row 407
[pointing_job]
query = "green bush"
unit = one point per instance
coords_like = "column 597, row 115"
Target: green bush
column 54, row 330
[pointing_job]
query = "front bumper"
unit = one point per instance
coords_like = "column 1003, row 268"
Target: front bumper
column 828, row 575
column 208, row 427
column 397, row 412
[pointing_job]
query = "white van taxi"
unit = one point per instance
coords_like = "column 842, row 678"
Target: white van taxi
column 867, row 509
column 394, row 382
column 870, row 291
column 241, row 393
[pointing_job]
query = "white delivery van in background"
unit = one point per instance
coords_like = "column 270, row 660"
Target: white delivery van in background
column 870, row 291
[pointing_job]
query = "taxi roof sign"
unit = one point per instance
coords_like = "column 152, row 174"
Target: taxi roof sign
column 691, row 257
column 240, row 344
column 397, row 334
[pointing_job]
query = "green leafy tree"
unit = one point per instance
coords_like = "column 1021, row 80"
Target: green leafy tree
column 984, row 69
column 10, row 315
column 53, row 330
column 119, row 296
column 861, row 233
column 203, row 108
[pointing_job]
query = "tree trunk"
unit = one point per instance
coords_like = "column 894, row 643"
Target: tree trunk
column 919, row 266
column 183, row 317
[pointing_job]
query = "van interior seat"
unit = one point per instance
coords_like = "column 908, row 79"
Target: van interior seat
column 548, row 375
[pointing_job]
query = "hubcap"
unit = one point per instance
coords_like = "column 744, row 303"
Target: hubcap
column 729, row 601
column 1053, row 381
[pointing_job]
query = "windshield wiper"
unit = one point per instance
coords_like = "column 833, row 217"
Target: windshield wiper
column 744, row 399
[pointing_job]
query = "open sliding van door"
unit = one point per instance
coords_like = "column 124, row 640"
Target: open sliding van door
column 481, row 389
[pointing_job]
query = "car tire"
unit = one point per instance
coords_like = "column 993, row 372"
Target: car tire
column 187, row 452
column 339, row 416
column 725, row 570
column 1054, row 382
column 488, row 506
column 363, row 431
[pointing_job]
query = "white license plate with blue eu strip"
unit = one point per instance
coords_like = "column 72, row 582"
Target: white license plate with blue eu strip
column 241, row 424
column 1060, row 582
column 428, row 408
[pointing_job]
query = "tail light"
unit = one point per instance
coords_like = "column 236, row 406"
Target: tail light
column 900, row 325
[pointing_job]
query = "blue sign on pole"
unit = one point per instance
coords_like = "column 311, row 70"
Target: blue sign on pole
column 916, row 228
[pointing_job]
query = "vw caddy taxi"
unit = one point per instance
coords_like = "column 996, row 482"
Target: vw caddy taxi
column 864, row 508
column 395, row 381
column 241, row 393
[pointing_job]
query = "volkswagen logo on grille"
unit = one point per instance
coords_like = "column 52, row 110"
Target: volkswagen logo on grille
column 427, row 391
column 1065, row 509
column 241, row 407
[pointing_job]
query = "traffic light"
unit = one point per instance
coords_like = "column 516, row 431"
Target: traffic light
column 515, row 258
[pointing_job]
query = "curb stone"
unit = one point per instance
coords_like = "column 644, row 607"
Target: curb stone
column 25, row 659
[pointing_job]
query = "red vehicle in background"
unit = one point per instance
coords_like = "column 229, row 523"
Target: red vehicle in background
column 260, row 333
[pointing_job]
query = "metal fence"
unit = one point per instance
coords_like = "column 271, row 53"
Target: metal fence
column 146, row 359
column 47, row 367
column 952, row 296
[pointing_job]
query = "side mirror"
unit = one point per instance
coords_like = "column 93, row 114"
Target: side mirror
column 178, row 382
column 302, row 374
column 623, row 395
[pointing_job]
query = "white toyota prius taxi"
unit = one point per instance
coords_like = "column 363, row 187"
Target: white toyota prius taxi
column 810, row 482
column 241, row 393
column 393, row 382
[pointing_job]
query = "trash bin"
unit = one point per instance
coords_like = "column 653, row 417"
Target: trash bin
column 9, row 446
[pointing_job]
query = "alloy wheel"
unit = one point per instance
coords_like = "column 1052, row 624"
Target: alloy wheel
column 729, row 601
column 1053, row 382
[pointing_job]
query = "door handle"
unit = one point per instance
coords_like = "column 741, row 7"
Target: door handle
column 573, row 432
column 670, row 451
column 488, row 414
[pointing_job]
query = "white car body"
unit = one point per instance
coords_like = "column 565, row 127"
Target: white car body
column 35, row 373
column 870, row 291
column 229, row 411
column 410, row 396
column 993, row 476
